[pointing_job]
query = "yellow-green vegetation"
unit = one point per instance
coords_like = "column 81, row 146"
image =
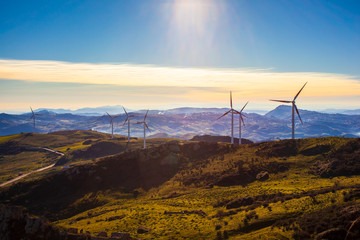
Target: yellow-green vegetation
column 14, row 165
column 8, row 138
column 20, row 153
column 194, row 190
column 176, row 211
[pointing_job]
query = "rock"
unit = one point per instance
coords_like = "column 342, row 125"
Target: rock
column 262, row 176
column 116, row 217
column 239, row 202
column 142, row 230
column 72, row 230
column 331, row 234
column 87, row 142
column 120, row 235
column 33, row 225
column 102, row 234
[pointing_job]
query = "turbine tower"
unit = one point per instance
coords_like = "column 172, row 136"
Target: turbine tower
column 112, row 124
column 293, row 111
column 33, row 117
column 232, row 111
column 145, row 126
column 128, row 121
column 241, row 115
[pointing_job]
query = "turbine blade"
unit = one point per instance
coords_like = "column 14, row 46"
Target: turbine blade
column 242, row 120
column 231, row 99
column 223, row 115
column 146, row 114
column 127, row 118
column 108, row 114
column 299, row 92
column 32, row 111
column 244, row 106
column 282, row 101
column 297, row 111
column 147, row 127
column 243, row 115
column 235, row 111
column 125, row 111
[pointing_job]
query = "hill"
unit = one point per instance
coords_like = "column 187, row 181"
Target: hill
column 185, row 123
column 224, row 139
column 23, row 153
column 300, row 189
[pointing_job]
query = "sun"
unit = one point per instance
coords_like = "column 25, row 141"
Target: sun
column 193, row 25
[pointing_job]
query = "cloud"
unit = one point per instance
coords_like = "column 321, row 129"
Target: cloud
column 176, row 85
column 248, row 81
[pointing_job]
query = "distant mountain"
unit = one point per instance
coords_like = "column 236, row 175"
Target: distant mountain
column 97, row 111
column 185, row 123
column 352, row 112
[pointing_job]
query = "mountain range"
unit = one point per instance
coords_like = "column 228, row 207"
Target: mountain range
column 187, row 122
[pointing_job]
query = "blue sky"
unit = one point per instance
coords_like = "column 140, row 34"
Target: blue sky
column 275, row 36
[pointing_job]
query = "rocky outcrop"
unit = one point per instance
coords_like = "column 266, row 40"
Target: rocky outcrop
column 239, row 202
column 262, row 176
column 15, row 224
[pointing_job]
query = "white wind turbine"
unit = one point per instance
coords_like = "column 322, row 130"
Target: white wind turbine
column 232, row 111
column 112, row 124
column 293, row 111
column 128, row 121
column 33, row 117
column 145, row 126
column 241, row 115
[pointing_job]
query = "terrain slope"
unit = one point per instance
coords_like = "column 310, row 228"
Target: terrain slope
column 289, row 189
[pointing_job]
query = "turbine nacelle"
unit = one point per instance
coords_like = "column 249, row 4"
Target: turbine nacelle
column 294, row 107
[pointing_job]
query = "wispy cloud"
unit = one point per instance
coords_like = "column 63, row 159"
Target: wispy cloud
column 248, row 81
column 194, row 84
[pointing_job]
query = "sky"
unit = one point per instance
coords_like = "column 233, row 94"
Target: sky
column 162, row 54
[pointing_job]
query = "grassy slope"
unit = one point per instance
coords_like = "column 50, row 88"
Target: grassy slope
column 149, row 209
column 198, row 210
column 24, row 160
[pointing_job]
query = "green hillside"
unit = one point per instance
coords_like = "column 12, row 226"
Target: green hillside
column 287, row 189
column 22, row 153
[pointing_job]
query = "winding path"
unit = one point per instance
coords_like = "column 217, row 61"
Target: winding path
column 37, row 170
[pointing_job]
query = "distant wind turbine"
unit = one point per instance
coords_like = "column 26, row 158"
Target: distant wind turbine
column 293, row 112
column 241, row 115
column 33, row 117
column 145, row 127
column 112, row 124
column 232, row 111
column 128, row 121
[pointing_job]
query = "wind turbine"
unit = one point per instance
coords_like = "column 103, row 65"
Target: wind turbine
column 128, row 121
column 112, row 124
column 232, row 111
column 33, row 117
column 293, row 113
column 241, row 115
column 145, row 126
